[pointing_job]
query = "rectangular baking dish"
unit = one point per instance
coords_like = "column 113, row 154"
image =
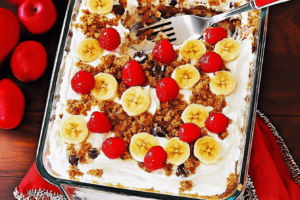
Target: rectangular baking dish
column 79, row 190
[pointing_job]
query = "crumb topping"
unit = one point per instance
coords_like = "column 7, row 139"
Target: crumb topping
column 168, row 169
column 84, row 150
column 191, row 164
column 92, row 24
column 71, row 149
column 96, row 172
column 125, row 126
column 169, row 115
column 232, row 184
column 80, row 107
column 142, row 166
column 74, row 172
column 223, row 135
column 185, row 186
column 202, row 95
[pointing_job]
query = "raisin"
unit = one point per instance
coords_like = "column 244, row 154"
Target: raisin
column 157, row 71
column 118, row 9
column 141, row 57
column 159, row 131
column 181, row 171
column 73, row 160
column 173, row 3
column 93, row 153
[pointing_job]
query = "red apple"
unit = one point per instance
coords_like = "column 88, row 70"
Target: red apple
column 15, row 2
column 38, row 16
column 28, row 61
column 9, row 32
column 12, row 104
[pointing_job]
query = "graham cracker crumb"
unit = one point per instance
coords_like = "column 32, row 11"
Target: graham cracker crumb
column 202, row 95
column 192, row 162
column 95, row 182
column 71, row 149
column 82, row 153
column 142, row 166
column 92, row 24
column 80, row 107
column 125, row 126
column 152, row 65
column 126, row 156
column 169, row 115
column 74, row 172
column 214, row 2
column 232, row 184
column 168, row 169
column 110, row 64
column 96, row 172
column 223, row 135
column 185, row 186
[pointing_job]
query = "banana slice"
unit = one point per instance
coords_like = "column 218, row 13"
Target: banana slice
column 207, row 150
column 89, row 49
column 140, row 144
column 193, row 49
column 74, row 130
column 222, row 82
column 178, row 151
column 228, row 49
column 196, row 114
column 135, row 101
column 106, row 87
column 101, row 6
column 186, row 76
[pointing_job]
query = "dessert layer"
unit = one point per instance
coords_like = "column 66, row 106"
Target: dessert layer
column 208, row 179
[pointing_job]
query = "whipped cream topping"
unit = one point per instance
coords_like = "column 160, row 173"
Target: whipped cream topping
column 209, row 179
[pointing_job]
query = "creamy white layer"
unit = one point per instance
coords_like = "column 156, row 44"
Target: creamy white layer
column 208, row 180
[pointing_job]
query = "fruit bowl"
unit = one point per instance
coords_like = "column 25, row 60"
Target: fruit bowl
column 72, row 188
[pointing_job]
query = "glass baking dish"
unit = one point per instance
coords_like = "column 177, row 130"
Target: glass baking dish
column 80, row 190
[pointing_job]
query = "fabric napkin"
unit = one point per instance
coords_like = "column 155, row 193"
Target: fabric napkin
column 274, row 174
column 273, row 171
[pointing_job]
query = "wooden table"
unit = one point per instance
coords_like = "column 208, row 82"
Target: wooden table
column 279, row 95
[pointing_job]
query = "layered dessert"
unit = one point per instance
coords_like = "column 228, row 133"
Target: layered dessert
column 166, row 120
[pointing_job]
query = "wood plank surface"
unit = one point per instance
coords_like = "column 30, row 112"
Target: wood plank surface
column 19, row 145
column 280, row 91
column 7, row 185
column 278, row 99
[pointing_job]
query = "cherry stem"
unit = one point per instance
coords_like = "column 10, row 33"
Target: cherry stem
column 35, row 9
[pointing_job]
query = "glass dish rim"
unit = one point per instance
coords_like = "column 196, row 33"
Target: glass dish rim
column 49, row 104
